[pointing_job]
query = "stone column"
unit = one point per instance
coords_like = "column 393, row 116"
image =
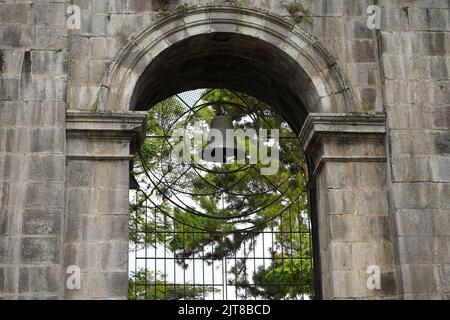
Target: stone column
column 348, row 168
column 99, row 149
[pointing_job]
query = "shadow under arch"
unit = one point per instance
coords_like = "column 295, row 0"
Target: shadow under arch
column 230, row 47
column 233, row 48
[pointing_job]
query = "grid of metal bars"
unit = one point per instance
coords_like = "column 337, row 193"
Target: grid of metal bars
column 205, row 278
column 269, row 261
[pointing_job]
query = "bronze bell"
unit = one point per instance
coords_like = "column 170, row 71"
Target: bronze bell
column 219, row 147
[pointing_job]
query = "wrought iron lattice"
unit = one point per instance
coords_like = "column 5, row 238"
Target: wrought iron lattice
column 218, row 231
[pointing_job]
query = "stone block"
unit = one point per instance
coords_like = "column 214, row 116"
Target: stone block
column 415, row 250
column 396, row 92
column 49, row 195
column 107, row 284
column 444, row 272
column 81, row 201
column 363, row 51
column 441, row 251
column 49, row 62
column 418, row 279
column 14, row 13
column 14, row 166
column 433, row 43
column 360, row 31
column 46, row 167
column 360, row 228
column 415, row 223
column 79, row 47
column 42, row 222
column 112, row 201
column 111, row 174
column 15, row 36
column 11, row 280
column 441, row 142
column 357, row 174
column 341, row 255
column 73, row 226
column 39, row 279
column 96, row 69
column 427, row 19
column 407, row 117
column 89, row 255
column 12, row 62
column 40, row 114
column 79, row 174
column 82, row 97
column 369, row 99
column 109, row 6
column 3, row 222
column 72, row 254
column 48, row 140
column 440, row 92
column 349, row 284
column 328, row 8
column 397, row 42
column 365, row 254
column 40, row 250
column 394, row 19
column 342, row 201
column 119, row 24
column 79, row 71
column 2, row 280
column 407, row 168
column 372, row 202
column 10, row 249
column 410, row 142
column 105, row 227
column 137, row 6
column 44, row 88
column 420, row 196
column 440, row 169
column 114, row 256
column 362, row 73
column 44, row 14
column 106, row 47
column 439, row 68
column 49, row 38
column 441, row 117
column 9, row 89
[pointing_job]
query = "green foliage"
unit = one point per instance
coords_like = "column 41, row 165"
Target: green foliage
column 297, row 12
column 144, row 285
column 248, row 191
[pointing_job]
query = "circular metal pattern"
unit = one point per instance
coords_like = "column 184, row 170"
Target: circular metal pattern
column 178, row 189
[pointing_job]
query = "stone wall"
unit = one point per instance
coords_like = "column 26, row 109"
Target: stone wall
column 34, row 62
column 339, row 24
column 415, row 56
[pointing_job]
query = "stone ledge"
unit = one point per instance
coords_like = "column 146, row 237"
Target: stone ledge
column 359, row 126
column 89, row 125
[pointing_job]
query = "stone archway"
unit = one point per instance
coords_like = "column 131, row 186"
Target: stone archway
column 346, row 150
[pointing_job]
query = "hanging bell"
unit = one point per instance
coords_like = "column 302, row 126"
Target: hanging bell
column 221, row 143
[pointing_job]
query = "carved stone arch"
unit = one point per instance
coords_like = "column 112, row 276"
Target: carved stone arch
column 323, row 82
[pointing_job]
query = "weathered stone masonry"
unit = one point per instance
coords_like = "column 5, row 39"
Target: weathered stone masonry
column 371, row 108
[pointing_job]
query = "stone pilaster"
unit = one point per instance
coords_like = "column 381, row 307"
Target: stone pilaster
column 99, row 149
column 348, row 168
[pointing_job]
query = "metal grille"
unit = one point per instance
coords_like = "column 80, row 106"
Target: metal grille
column 218, row 232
